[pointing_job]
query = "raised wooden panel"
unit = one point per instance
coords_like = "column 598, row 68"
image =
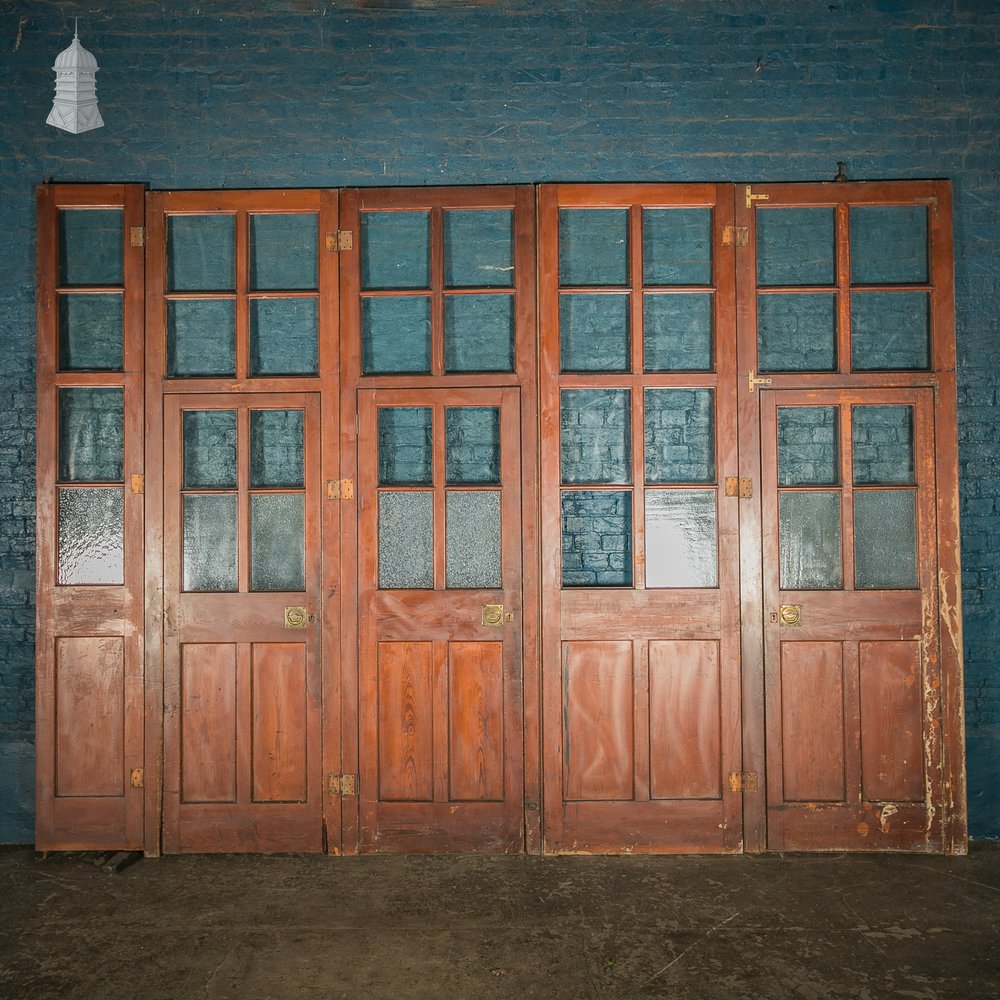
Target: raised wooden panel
column 685, row 735
column 405, row 721
column 475, row 731
column 278, row 690
column 208, row 722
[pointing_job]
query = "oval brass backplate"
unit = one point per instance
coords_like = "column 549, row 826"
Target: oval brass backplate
column 790, row 614
column 493, row 615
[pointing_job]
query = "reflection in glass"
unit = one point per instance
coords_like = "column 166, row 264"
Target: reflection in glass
column 472, row 444
column 90, row 333
column 91, row 536
column 404, row 445
column 595, row 445
column 276, row 448
column 472, row 539
column 210, row 449
column 680, row 435
column 201, row 337
column 796, row 332
column 681, row 547
column 91, row 246
column 808, row 450
column 210, row 524
column 201, row 253
column 677, row 246
column 888, row 244
column 478, row 248
column 594, row 333
column 277, row 541
column 795, row 246
column 91, row 435
column 284, row 336
column 677, row 332
column 395, row 250
column 596, row 538
column 883, row 444
column 283, row 251
column 405, row 540
column 396, row 334
column 809, row 540
column 593, row 246
column 890, row 331
column 479, row 333
column 885, row 539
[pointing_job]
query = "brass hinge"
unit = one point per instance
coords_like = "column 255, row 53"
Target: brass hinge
column 137, row 777
column 751, row 197
column 735, row 236
column 737, row 487
column 342, row 239
column 339, row 489
column 343, row 784
column 743, row 781
column 137, row 234
column 138, row 483
column 753, row 381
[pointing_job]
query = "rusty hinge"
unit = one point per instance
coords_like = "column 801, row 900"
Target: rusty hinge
column 735, row 236
column 137, row 235
column 737, row 487
column 743, row 781
column 138, row 482
column 137, row 777
column 751, row 197
column 339, row 489
column 342, row 239
column 343, row 784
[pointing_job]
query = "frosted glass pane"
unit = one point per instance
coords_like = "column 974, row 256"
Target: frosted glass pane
column 677, row 334
column 276, row 448
column 888, row 244
column 210, row 449
column 808, row 450
column 885, row 539
column 795, row 246
column 594, row 333
column 91, row 246
column 284, row 336
column 90, row 333
column 201, row 337
column 396, row 334
column 395, row 250
column 472, row 548
column 91, row 435
column 681, row 547
column 405, row 540
column 796, row 333
column 283, row 251
column 596, row 436
column 201, row 253
column 91, row 536
column 677, row 246
column 479, row 333
column 277, row 541
column 404, row 445
column 883, row 444
column 210, row 525
column 809, row 533
column 478, row 248
column 890, row 331
column 596, row 538
column 680, row 435
column 472, row 444
column 593, row 246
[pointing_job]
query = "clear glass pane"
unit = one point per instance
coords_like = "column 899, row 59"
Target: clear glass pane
column 796, row 333
column 210, row 449
column 677, row 334
column 890, row 331
column 395, row 250
column 406, row 540
column 883, row 444
column 404, row 446
column 593, row 246
column 90, row 333
column 479, row 333
column 478, row 248
column 594, row 333
column 808, row 450
column 681, row 547
column 284, row 336
column 201, row 253
column 885, row 540
column 809, row 540
column 472, row 548
column 277, row 541
column 795, row 246
column 596, row 538
column 201, row 337
column 677, row 246
column 91, row 435
column 396, row 334
column 210, row 527
column 680, row 435
column 91, row 536
column 596, row 436
column 91, row 247
column 888, row 244
column 472, row 444
column 284, row 252
column 276, row 448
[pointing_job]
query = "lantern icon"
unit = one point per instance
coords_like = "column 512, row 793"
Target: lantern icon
column 75, row 106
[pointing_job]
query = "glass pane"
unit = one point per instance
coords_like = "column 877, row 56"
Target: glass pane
column 478, row 248
column 472, row 446
column 395, row 250
column 795, row 246
column 91, row 536
column 808, row 450
column 677, row 246
column 210, row 449
column 404, row 445
column 396, row 334
column 681, row 548
column 596, row 432
column 796, row 333
column 680, row 435
column 472, row 549
column 885, row 539
column 210, row 542
column 888, row 244
column 479, row 333
column 283, row 251
column 91, row 435
column 277, row 541
column 883, row 444
column 594, row 333
column 91, row 247
column 890, row 331
column 677, row 335
column 593, row 246
column 596, row 538
column 90, row 333
column 405, row 540
column 276, row 448
column 284, row 336
column 201, row 253
column 809, row 531
column 201, row 337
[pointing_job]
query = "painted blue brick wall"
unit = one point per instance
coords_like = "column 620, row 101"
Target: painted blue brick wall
column 313, row 92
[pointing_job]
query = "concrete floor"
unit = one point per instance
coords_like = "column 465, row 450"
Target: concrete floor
column 408, row 927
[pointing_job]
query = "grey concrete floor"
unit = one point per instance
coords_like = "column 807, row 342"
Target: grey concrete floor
column 253, row 927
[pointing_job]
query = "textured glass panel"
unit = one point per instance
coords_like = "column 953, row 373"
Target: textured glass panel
column 91, row 435
column 284, row 336
column 885, row 539
column 396, row 334
column 680, row 435
column 276, row 448
column 201, row 253
column 395, row 250
column 210, row 542
column 91, row 247
column 809, row 531
column 594, row 333
column 201, row 337
column 596, row 446
column 890, row 331
column 678, row 333
column 210, row 449
column 91, row 536
column 406, row 540
column 888, row 244
column 795, row 246
column 472, row 452
column 404, row 445
column 681, row 548
column 479, row 333
column 283, row 251
column 478, row 248
column 472, row 547
column 808, row 451
column 883, row 444
column 593, row 246
column 90, row 333
column 277, row 541
column 596, row 538
column 677, row 246
column 796, row 333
